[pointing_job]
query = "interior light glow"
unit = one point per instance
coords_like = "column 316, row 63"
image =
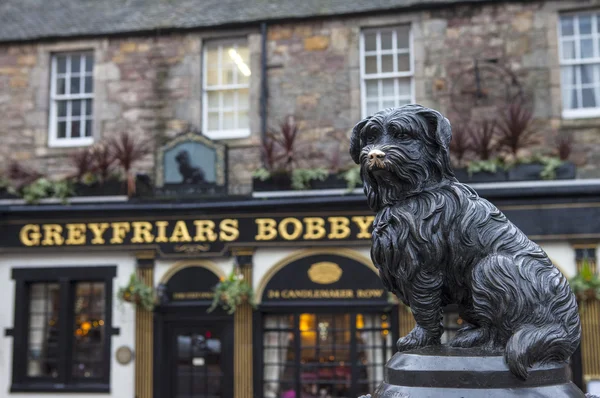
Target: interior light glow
column 236, row 57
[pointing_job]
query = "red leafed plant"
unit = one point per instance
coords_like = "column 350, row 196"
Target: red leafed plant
column 483, row 136
column 564, row 145
column 21, row 175
column 127, row 150
column 102, row 160
column 82, row 162
column 287, row 140
column 516, row 127
column 270, row 153
column 460, row 143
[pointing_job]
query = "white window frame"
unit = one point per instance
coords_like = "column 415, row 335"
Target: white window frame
column 389, row 75
column 579, row 113
column 53, row 140
column 222, row 134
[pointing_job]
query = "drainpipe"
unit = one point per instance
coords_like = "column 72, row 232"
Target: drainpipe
column 264, row 90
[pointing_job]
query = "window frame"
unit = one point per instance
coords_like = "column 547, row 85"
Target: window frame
column 578, row 113
column 388, row 75
column 222, row 134
column 53, row 140
column 66, row 277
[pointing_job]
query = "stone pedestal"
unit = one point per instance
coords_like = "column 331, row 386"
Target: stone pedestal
column 469, row 373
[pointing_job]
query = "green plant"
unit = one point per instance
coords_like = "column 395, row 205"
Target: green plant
column 301, row 178
column 586, row 284
column 550, row 164
column 44, row 188
column 352, row 177
column 478, row 166
column 137, row 292
column 262, row 174
column 231, row 292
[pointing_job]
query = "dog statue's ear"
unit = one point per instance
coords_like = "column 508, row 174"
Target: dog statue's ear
column 438, row 124
column 355, row 139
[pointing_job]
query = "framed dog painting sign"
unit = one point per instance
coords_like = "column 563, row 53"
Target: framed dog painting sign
column 192, row 164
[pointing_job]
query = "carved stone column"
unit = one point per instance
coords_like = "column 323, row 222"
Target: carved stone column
column 144, row 331
column 242, row 358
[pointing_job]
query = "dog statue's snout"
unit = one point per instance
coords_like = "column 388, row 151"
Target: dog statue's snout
column 376, row 154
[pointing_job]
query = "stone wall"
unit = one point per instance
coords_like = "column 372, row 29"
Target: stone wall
column 152, row 85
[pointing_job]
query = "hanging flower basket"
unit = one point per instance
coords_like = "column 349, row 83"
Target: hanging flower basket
column 137, row 293
column 231, row 292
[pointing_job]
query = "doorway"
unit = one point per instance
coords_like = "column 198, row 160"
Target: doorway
column 195, row 358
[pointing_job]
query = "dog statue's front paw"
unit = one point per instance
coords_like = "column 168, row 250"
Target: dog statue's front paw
column 417, row 338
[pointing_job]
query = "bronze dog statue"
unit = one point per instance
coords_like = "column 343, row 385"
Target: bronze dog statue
column 436, row 242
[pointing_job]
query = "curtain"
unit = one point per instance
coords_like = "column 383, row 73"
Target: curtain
column 378, row 348
column 275, row 353
column 569, row 91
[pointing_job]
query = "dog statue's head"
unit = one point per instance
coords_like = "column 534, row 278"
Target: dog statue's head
column 401, row 151
column 183, row 157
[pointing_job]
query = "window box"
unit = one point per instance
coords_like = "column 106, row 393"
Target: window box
column 143, row 187
column 532, row 172
column 283, row 182
column 462, row 175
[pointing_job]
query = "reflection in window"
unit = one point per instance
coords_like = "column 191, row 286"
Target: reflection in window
column 89, row 330
column 328, row 359
column 43, row 348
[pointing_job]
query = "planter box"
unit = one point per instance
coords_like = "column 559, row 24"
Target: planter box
column 4, row 194
column 284, row 183
column 532, row 171
column 463, row 176
column 333, row 181
column 143, row 187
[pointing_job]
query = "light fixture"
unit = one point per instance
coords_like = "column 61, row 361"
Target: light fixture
column 236, row 57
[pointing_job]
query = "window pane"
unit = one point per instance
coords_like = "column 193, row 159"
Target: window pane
column 570, row 100
column 585, row 24
column 568, row 49
column 228, row 99
column 89, row 85
column 213, row 121
column 60, row 86
column 371, row 65
column 61, row 130
column 387, row 63
column 372, row 87
column 61, row 108
column 228, row 121
column 88, row 330
column 61, row 63
column 212, row 58
column 403, row 36
column 388, row 104
column 227, row 76
column 372, row 107
column 89, row 63
column 75, row 108
column 386, row 40
column 212, row 77
column 243, row 122
column 89, row 106
column 74, row 85
column 371, row 41
column 566, row 26
column 404, row 87
column 75, row 64
column 403, row 62
column 213, row 99
column 75, row 129
column 88, row 128
column 387, row 86
column 587, row 48
column 243, row 99
column 568, row 75
column 588, row 98
column 43, row 350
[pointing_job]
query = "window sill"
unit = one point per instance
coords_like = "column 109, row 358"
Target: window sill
column 55, row 143
column 227, row 134
column 61, row 388
column 587, row 113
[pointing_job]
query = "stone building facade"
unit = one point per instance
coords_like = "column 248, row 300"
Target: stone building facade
column 151, row 83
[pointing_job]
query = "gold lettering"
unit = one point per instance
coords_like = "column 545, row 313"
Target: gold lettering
column 52, row 235
column 296, row 228
column 363, row 222
column 369, row 293
column 273, row 294
column 76, row 234
column 266, row 229
column 120, row 229
column 339, row 226
column 30, row 235
column 315, row 228
column 229, row 230
column 161, row 231
column 142, row 232
column 205, row 231
column 98, row 231
column 180, row 233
